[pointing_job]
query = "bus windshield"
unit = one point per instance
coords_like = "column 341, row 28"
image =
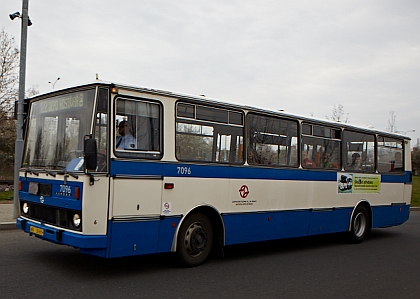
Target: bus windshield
column 56, row 130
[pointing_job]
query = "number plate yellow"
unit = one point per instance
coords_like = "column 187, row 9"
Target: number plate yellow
column 36, row 231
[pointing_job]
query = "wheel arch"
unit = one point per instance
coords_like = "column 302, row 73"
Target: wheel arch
column 368, row 207
column 215, row 219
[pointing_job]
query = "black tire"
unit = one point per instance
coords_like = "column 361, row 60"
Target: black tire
column 195, row 239
column 360, row 225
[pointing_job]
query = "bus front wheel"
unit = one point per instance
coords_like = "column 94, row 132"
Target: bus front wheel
column 195, row 240
column 360, row 225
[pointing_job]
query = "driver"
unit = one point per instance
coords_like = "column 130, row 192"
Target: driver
column 126, row 139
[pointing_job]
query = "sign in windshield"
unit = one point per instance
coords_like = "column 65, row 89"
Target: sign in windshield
column 63, row 102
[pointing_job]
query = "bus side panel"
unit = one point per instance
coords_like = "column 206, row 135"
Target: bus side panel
column 294, row 223
column 133, row 237
column 395, row 214
column 320, row 222
column 330, row 221
column 340, row 220
column 167, row 231
column 253, row 227
column 249, row 227
column 399, row 214
column 380, row 216
column 141, row 237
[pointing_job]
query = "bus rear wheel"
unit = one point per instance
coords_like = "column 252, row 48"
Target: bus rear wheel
column 360, row 225
column 195, row 239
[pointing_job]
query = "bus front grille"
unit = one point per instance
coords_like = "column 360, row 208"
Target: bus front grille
column 51, row 215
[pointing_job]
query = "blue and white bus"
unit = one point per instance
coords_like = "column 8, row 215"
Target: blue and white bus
column 117, row 170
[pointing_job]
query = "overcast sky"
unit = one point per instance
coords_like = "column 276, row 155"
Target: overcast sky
column 302, row 56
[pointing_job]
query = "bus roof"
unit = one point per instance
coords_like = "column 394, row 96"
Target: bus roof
column 205, row 100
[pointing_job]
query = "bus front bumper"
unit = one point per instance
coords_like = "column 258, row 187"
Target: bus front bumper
column 61, row 236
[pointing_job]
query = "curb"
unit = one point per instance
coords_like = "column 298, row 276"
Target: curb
column 7, row 225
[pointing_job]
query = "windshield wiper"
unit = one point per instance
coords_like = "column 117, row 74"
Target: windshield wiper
column 67, row 174
column 51, row 173
column 31, row 171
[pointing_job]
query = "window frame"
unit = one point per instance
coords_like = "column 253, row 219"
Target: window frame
column 275, row 135
column 218, row 127
column 138, row 154
column 391, row 167
column 330, row 133
column 345, row 151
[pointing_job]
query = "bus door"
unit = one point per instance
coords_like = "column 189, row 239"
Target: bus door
column 136, row 204
column 136, row 178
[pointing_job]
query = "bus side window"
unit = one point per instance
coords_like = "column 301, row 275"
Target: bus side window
column 390, row 155
column 271, row 141
column 358, row 151
column 137, row 131
column 209, row 134
column 320, row 146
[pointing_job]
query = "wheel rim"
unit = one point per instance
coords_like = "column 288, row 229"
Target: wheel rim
column 359, row 225
column 195, row 239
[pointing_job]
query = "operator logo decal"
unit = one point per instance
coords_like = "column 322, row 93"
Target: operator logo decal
column 244, row 191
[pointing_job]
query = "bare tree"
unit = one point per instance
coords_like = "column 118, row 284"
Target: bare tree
column 9, row 65
column 32, row 91
column 392, row 127
column 338, row 115
column 7, row 135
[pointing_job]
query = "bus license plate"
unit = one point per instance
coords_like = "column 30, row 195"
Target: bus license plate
column 36, row 231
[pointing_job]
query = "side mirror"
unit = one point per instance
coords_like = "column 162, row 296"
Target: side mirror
column 90, row 153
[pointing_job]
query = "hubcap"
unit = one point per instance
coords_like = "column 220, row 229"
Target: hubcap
column 359, row 224
column 195, row 239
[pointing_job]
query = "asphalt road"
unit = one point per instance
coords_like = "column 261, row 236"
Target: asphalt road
column 387, row 265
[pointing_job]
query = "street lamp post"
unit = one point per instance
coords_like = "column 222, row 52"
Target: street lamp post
column 405, row 132
column 20, row 109
column 53, row 84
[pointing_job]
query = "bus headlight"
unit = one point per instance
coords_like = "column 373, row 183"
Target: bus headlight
column 76, row 220
column 25, row 208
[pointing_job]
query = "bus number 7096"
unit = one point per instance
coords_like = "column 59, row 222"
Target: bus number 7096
column 183, row 170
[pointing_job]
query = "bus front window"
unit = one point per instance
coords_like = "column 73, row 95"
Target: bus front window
column 56, row 131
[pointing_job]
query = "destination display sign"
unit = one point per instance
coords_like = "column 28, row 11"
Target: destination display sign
column 75, row 100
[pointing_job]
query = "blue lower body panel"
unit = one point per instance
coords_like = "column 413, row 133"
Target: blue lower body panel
column 263, row 226
column 128, row 238
column 253, row 227
column 141, row 237
column 385, row 216
column 123, row 239
column 133, row 238
column 61, row 236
